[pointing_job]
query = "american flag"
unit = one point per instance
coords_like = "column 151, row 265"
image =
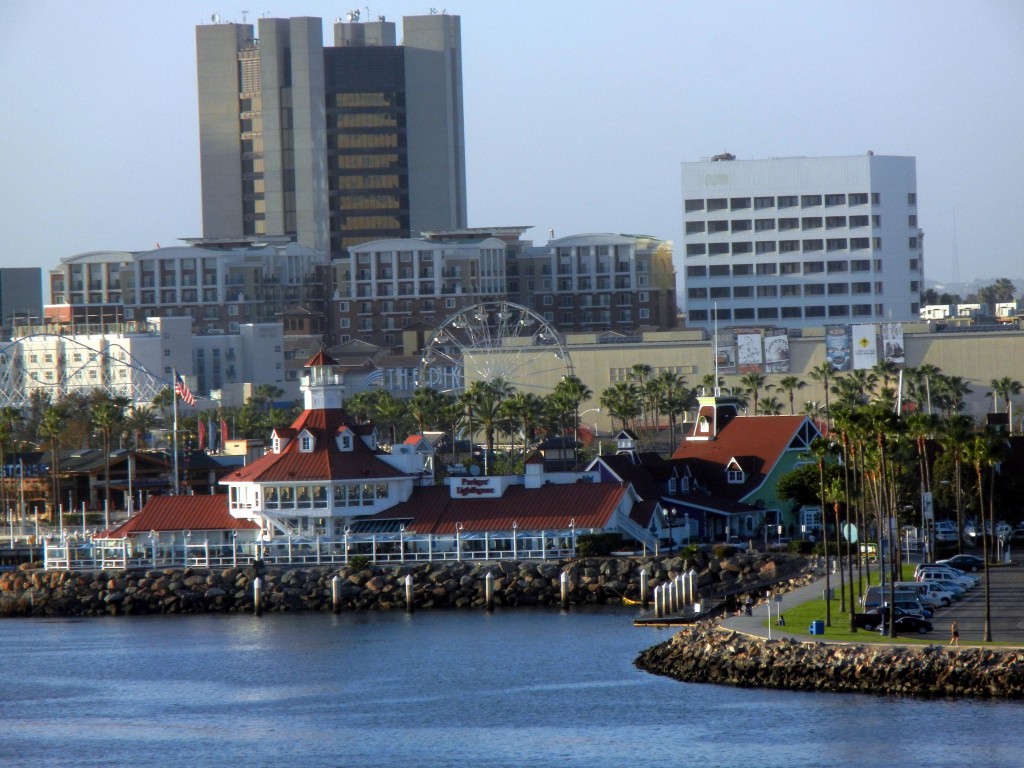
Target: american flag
column 181, row 390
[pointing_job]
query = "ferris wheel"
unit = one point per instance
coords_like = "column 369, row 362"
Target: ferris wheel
column 495, row 340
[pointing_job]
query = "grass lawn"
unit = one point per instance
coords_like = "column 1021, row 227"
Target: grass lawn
column 799, row 618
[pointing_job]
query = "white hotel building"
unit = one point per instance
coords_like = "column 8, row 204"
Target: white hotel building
column 803, row 241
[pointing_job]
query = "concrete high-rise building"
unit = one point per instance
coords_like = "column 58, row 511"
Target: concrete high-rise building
column 335, row 145
column 803, row 241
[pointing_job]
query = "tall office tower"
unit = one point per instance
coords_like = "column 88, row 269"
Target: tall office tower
column 333, row 146
column 803, row 241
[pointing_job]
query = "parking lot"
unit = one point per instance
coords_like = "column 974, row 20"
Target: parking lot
column 1006, row 596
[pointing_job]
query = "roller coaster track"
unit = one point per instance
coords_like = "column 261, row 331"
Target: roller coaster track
column 117, row 372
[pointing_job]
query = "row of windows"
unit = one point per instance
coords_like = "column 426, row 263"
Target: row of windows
column 785, row 291
column 711, row 204
column 786, row 268
column 786, row 313
column 732, row 226
column 744, row 247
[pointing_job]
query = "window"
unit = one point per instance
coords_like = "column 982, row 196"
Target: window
column 697, row 293
column 789, row 268
column 876, row 242
column 860, row 288
column 760, row 203
column 787, row 224
column 692, row 206
column 789, row 246
column 742, row 292
column 876, row 198
column 717, row 204
column 838, row 289
column 861, row 310
column 839, row 311
column 876, row 220
column 912, row 220
column 741, row 225
column 911, row 198
column 694, row 227
column 835, row 222
column 811, row 222
column 813, row 245
column 719, row 270
column 718, row 249
column 645, row 314
column 693, row 249
column 814, row 311
column 813, row 267
column 723, row 314
column 913, row 242
column 791, row 313
column 790, row 291
column 810, row 201
column 767, row 246
column 787, row 201
column 768, row 313
column 815, row 289
column 744, row 314
column 698, row 315
column 696, row 271
column 720, row 292
column 767, row 269
column 913, row 265
column 835, row 200
column 740, row 248
column 306, row 443
column 739, row 270
column 767, row 291
column 858, row 243
column 763, row 225
column 858, row 221
column 716, row 227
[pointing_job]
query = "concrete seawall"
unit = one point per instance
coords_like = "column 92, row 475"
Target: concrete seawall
column 435, row 585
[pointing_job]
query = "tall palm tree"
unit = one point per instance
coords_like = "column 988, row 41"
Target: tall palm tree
column 789, row 385
column 754, row 383
column 51, row 427
column 524, row 408
column 957, row 432
column 140, row 421
column 570, row 392
column 823, row 373
column 640, row 373
column 9, row 417
column 821, row 450
column 673, row 398
column 1006, row 388
column 106, row 416
column 621, row 402
column 424, row 406
column 981, row 456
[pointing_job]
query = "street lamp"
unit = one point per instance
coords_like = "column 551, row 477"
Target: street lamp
column 670, row 515
column 686, row 522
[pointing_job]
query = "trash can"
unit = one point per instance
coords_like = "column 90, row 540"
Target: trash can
column 817, row 627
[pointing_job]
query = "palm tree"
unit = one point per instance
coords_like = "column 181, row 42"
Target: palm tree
column 823, row 373
column 753, row 383
column 789, row 385
column 527, row 409
column 621, row 402
column 140, row 421
column 51, row 426
column 639, row 373
column 821, row 450
column 487, row 402
column 424, row 406
column 957, row 433
column 982, row 457
column 570, row 392
column 9, row 417
column 106, row 415
column 770, row 406
column 1006, row 388
column 711, row 383
column 673, row 397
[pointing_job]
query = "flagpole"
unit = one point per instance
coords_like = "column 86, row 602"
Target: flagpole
column 174, row 400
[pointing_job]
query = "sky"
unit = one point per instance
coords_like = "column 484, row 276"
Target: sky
column 578, row 113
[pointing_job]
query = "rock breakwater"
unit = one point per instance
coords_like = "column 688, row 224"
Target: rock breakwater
column 435, row 585
column 710, row 654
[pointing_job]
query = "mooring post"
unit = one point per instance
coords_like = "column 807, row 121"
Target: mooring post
column 565, row 590
column 257, row 587
column 336, row 593
column 644, row 586
column 659, row 601
column 489, row 591
column 408, row 593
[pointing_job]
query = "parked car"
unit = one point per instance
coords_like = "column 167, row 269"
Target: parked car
column 1016, row 536
column 937, row 593
column 908, row 625
column 945, row 530
column 966, row 563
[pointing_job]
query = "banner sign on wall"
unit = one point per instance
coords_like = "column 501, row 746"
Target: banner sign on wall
column 865, row 347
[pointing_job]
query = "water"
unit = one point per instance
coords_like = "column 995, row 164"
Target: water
column 444, row 688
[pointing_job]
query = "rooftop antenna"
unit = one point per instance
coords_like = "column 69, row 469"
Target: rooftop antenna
column 244, row 14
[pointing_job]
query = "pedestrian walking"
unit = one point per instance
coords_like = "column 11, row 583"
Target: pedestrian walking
column 954, row 632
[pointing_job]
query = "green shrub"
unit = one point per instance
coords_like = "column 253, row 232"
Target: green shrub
column 358, row 562
column 597, row 544
column 724, row 551
column 800, row 547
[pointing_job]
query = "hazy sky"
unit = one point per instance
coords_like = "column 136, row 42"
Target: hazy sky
column 578, row 114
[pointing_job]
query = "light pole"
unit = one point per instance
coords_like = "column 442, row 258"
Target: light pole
column 686, row 522
column 591, row 410
column 670, row 515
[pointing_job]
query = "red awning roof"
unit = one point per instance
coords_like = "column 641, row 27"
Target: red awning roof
column 181, row 513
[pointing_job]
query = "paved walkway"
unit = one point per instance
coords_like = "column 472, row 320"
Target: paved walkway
column 755, row 624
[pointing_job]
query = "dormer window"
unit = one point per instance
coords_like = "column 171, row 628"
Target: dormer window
column 703, row 425
column 275, row 444
column 344, row 440
column 734, row 476
column 672, row 485
column 306, row 443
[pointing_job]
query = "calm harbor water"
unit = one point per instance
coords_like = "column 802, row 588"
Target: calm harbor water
column 513, row 688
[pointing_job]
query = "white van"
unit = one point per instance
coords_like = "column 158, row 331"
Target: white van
column 943, row 579
column 875, row 597
column 923, row 589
